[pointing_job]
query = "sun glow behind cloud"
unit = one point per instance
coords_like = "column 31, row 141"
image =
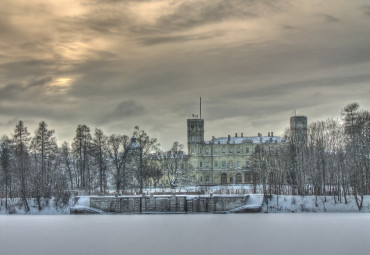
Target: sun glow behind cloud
column 62, row 83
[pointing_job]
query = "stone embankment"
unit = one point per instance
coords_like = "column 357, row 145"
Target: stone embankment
column 168, row 204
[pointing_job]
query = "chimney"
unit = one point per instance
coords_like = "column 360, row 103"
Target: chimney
column 272, row 134
column 241, row 134
column 236, row 134
column 259, row 134
column 228, row 138
column 268, row 134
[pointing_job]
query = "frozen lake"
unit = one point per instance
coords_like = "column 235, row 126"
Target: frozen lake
column 186, row 234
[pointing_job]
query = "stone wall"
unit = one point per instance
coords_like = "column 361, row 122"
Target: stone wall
column 168, row 204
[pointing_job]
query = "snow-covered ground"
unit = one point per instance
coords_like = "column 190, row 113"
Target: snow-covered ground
column 48, row 207
column 288, row 204
column 277, row 204
column 83, row 206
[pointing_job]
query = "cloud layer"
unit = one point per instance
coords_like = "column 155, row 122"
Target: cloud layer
column 120, row 63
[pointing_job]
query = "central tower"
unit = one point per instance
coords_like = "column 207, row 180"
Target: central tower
column 195, row 133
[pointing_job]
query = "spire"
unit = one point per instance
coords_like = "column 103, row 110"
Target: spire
column 200, row 108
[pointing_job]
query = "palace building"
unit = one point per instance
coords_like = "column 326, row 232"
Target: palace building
column 223, row 160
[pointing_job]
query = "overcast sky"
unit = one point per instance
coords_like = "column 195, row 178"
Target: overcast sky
column 114, row 64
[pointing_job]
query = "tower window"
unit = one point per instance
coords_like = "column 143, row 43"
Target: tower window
column 216, row 150
column 238, row 150
column 200, row 164
column 223, row 164
column 207, row 150
column 231, row 164
column 192, row 150
column 238, row 164
column 207, row 164
column 216, row 164
column 223, row 150
column 200, row 150
column 231, row 150
column 247, row 150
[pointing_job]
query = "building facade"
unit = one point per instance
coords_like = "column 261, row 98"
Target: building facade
column 223, row 160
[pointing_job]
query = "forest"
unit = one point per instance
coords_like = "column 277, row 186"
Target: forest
column 333, row 159
column 37, row 167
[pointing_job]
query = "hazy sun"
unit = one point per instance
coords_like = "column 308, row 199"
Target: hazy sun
column 62, row 82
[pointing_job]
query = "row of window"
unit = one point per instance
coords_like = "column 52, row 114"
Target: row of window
column 223, row 164
column 237, row 180
column 223, row 150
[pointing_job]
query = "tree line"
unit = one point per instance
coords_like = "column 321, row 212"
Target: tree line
column 35, row 166
column 333, row 159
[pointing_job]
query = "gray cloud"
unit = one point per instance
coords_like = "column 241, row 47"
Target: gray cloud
column 366, row 9
column 328, row 18
column 123, row 111
column 196, row 13
column 16, row 90
column 179, row 38
column 288, row 27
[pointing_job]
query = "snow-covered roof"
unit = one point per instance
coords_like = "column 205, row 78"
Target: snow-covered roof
column 249, row 139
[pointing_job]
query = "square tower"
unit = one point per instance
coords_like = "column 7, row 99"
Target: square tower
column 298, row 129
column 195, row 131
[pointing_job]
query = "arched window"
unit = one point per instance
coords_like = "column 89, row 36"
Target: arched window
column 238, row 178
column 223, row 178
column 248, row 178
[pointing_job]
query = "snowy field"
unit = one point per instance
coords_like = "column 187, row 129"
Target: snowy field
column 279, row 234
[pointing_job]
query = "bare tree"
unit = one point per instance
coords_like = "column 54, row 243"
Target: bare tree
column 357, row 126
column 69, row 164
column 118, row 156
column 44, row 149
column 99, row 146
column 21, row 163
column 175, row 165
column 5, row 163
column 146, row 146
column 81, row 148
